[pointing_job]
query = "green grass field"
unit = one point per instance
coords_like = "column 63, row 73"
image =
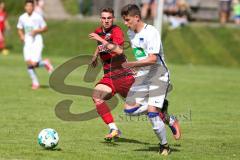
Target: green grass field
column 205, row 100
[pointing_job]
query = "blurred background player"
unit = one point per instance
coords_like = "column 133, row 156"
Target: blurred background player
column 116, row 79
column 152, row 79
column 30, row 26
column 3, row 25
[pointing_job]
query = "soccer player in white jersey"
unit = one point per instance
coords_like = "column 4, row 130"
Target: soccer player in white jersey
column 30, row 26
column 152, row 78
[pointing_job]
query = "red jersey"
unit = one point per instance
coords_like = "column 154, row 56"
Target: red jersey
column 112, row 62
column 3, row 17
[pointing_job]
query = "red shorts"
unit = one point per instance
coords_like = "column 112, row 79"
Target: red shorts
column 119, row 85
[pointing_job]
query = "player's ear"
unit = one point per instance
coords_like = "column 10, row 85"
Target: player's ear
column 137, row 18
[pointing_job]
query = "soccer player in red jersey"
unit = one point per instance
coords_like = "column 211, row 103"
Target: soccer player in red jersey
column 3, row 25
column 116, row 79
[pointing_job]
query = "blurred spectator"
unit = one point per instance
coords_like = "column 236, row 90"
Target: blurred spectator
column 224, row 10
column 183, row 8
column 39, row 5
column 170, row 7
column 3, row 25
column 236, row 11
column 179, row 15
column 149, row 5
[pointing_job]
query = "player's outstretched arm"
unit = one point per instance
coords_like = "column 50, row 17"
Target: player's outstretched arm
column 21, row 34
column 38, row 31
column 113, row 47
column 94, row 60
column 150, row 60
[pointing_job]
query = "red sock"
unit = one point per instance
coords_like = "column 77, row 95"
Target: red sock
column 104, row 112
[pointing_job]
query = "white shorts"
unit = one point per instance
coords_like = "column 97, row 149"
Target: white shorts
column 151, row 88
column 33, row 51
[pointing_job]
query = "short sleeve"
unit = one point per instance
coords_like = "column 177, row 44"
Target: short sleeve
column 154, row 41
column 20, row 23
column 118, row 36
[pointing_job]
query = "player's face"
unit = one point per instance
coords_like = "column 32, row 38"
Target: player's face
column 106, row 20
column 2, row 6
column 131, row 22
column 29, row 8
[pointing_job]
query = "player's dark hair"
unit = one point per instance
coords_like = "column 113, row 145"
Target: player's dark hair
column 109, row 10
column 131, row 10
column 29, row 1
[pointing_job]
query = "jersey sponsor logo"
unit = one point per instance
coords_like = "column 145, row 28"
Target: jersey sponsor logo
column 28, row 29
column 138, row 53
column 107, row 36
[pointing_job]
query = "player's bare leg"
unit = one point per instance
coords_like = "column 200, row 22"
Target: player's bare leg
column 153, row 9
column 144, row 10
column 102, row 93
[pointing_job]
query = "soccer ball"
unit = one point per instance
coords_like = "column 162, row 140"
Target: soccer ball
column 48, row 138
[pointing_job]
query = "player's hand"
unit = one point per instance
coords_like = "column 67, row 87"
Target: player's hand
column 33, row 33
column 94, row 36
column 22, row 39
column 94, row 61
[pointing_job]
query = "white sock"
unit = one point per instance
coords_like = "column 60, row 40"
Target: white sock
column 159, row 129
column 112, row 126
column 33, row 76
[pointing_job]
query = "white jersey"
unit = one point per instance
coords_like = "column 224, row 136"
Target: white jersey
column 33, row 45
column 151, row 82
column 30, row 23
column 146, row 42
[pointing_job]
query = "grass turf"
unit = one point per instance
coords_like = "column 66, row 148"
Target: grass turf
column 204, row 98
